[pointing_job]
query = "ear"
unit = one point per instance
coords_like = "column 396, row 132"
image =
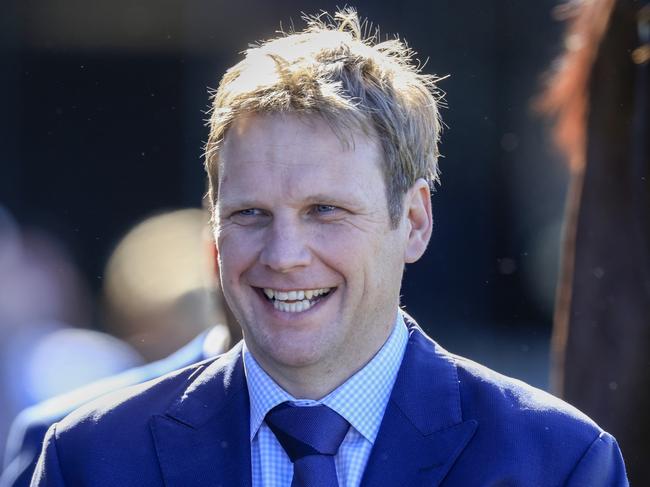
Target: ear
column 215, row 259
column 417, row 205
column 211, row 251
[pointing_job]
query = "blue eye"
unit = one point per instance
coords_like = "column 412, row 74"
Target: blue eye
column 249, row 216
column 325, row 208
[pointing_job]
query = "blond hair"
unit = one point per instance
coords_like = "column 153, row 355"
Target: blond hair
column 353, row 81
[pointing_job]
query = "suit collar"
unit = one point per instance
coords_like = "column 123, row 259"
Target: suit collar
column 427, row 388
column 423, row 431
column 203, row 436
column 361, row 399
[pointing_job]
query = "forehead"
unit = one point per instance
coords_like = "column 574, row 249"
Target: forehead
column 298, row 153
column 294, row 130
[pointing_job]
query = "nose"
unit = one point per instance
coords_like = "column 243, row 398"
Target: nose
column 285, row 246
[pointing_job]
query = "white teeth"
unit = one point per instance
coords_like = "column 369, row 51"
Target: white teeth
column 296, row 307
column 297, row 295
column 300, row 300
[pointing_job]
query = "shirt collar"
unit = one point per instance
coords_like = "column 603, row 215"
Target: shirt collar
column 361, row 400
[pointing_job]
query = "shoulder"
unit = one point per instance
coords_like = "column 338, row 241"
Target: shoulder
column 496, row 400
column 27, row 432
column 44, row 414
column 118, row 418
column 487, row 394
column 526, row 433
column 522, row 434
column 130, row 407
column 128, row 410
column 117, row 429
column 111, row 431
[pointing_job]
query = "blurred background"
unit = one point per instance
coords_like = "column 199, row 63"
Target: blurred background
column 102, row 123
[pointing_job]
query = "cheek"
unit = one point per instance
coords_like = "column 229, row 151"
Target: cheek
column 235, row 255
column 362, row 252
column 340, row 250
column 349, row 257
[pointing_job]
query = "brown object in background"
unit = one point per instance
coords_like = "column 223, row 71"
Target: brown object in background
column 601, row 339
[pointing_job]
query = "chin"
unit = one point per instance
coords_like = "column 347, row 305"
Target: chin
column 294, row 350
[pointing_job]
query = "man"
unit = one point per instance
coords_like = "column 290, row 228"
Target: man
column 321, row 155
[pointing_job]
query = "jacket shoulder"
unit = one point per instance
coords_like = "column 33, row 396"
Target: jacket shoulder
column 112, row 436
column 132, row 404
column 109, row 437
column 526, row 433
column 485, row 392
column 27, row 432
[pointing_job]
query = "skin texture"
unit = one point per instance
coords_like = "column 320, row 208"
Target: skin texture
column 296, row 209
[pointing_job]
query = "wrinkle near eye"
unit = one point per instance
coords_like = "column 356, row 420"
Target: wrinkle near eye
column 375, row 222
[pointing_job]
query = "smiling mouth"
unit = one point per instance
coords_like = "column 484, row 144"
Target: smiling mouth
column 295, row 301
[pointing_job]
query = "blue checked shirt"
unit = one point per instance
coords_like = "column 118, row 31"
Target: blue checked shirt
column 361, row 400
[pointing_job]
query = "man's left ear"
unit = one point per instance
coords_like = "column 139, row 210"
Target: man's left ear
column 417, row 205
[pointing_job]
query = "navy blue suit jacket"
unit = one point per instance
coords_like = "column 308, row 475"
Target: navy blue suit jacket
column 29, row 428
column 449, row 422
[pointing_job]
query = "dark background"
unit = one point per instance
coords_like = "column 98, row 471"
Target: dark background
column 102, row 110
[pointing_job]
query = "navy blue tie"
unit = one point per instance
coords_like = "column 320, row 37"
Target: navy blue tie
column 311, row 436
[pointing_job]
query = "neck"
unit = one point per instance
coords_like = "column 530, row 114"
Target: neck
column 315, row 381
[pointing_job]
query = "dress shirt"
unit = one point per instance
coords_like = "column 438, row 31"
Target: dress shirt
column 361, row 400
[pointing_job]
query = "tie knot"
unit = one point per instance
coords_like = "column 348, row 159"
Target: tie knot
column 303, row 431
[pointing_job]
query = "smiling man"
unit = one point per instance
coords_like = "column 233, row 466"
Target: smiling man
column 321, row 158
column 310, row 258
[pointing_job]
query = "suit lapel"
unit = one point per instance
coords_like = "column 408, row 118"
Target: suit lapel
column 422, row 432
column 203, row 439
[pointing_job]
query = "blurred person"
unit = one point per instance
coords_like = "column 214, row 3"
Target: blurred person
column 160, row 287
column 600, row 97
column 38, row 281
column 43, row 301
column 157, row 277
column 27, row 432
column 321, row 158
column 68, row 358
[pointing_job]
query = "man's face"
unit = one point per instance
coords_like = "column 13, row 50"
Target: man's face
column 309, row 263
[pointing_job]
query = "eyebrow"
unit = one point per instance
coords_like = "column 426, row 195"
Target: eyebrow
column 238, row 203
column 332, row 199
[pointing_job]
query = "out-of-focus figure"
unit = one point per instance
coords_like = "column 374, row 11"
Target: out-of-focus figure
column 159, row 283
column 28, row 430
column 43, row 304
column 161, row 295
column 600, row 96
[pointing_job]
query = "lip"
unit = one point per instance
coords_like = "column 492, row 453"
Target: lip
column 294, row 288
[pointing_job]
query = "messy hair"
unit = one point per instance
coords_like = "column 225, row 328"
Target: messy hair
column 353, row 81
